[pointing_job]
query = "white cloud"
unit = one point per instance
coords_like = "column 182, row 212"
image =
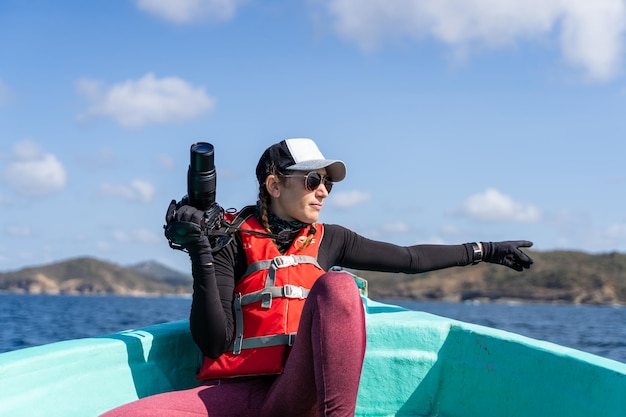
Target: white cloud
column 34, row 172
column 135, row 103
column 136, row 236
column 616, row 231
column 17, row 231
column 451, row 230
column 166, row 161
column 590, row 32
column 186, row 11
column 346, row 199
column 102, row 245
column 590, row 238
column 396, row 227
column 493, row 206
column 137, row 191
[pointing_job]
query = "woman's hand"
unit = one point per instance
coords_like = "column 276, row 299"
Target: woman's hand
column 185, row 225
column 508, row 253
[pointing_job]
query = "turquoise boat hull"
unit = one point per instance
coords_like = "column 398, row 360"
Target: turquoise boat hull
column 416, row 364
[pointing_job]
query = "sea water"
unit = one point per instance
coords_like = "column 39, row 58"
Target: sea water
column 30, row 320
column 600, row 330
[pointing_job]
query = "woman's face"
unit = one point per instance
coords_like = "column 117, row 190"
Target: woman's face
column 292, row 201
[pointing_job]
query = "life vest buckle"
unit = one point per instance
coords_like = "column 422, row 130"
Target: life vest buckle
column 266, row 299
column 237, row 345
column 284, row 261
column 293, row 291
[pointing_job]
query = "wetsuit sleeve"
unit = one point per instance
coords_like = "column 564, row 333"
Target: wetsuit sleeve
column 211, row 318
column 342, row 247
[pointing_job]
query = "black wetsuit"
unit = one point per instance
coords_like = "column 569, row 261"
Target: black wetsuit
column 211, row 318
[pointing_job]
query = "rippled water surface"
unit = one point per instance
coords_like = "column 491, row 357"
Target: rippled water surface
column 30, row 320
column 600, row 330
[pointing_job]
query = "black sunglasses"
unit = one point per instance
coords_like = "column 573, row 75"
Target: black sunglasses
column 312, row 181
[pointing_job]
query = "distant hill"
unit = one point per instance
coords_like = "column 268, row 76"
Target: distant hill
column 163, row 273
column 556, row 277
column 93, row 276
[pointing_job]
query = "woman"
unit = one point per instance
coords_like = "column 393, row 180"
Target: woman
column 270, row 283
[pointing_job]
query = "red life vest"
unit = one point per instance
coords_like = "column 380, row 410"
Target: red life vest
column 268, row 303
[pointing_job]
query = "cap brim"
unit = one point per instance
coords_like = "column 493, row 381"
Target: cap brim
column 335, row 169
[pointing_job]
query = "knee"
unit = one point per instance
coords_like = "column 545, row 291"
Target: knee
column 339, row 288
column 337, row 280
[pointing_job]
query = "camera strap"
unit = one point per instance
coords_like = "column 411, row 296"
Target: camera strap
column 225, row 234
column 245, row 214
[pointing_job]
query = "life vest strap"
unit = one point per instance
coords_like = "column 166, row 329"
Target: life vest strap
column 237, row 343
column 265, row 341
column 279, row 262
column 267, row 294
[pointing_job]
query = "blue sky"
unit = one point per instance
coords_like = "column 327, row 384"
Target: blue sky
column 458, row 122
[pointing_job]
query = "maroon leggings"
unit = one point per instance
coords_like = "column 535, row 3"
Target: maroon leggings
column 321, row 376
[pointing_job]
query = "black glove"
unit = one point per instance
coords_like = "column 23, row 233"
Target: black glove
column 508, row 253
column 184, row 226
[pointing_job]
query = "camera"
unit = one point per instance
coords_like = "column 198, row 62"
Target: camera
column 201, row 186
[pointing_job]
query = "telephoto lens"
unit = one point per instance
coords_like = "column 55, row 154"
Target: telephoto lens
column 201, row 176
